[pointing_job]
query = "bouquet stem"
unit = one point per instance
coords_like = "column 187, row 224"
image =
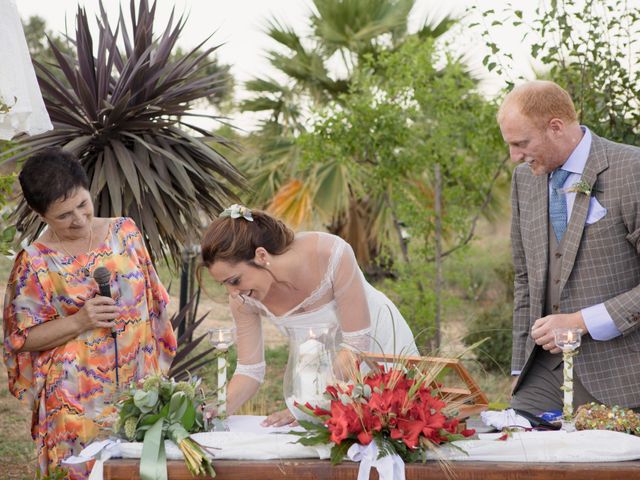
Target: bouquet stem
column 197, row 461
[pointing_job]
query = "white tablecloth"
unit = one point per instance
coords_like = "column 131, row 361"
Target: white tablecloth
column 248, row 442
column 551, row 446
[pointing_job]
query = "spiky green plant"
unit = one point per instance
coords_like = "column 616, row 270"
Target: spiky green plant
column 126, row 116
column 189, row 358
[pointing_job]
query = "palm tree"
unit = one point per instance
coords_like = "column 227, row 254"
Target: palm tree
column 123, row 109
column 346, row 33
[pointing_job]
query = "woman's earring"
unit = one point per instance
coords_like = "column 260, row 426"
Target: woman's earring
column 268, row 264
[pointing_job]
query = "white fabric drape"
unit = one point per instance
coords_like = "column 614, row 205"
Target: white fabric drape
column 18, row 85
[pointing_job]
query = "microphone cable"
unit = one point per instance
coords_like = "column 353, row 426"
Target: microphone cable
column 102, row 276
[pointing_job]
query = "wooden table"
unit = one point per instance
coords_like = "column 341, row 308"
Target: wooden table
column 322, row 469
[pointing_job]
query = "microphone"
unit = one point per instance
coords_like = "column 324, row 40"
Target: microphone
column 102, row 276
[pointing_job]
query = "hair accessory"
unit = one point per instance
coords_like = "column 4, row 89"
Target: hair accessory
column 237, row 211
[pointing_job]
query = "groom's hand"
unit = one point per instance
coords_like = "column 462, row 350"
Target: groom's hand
column 542, row 330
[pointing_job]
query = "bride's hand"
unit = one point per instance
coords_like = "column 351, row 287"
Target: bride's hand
column 279, row 419
column 209, row 412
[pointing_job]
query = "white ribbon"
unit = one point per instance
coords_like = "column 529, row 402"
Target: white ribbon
column 389, row 467
column 100, row 451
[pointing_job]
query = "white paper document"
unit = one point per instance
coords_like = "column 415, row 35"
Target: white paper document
column 251, row 424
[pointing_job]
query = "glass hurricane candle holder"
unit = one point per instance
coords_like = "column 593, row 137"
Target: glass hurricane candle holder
column 222, row 339
column 568, row 340
column 309, row 367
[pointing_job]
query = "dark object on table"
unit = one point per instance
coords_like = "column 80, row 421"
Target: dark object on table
column 537, row 422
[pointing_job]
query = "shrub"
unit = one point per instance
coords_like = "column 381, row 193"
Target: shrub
column 494, row 322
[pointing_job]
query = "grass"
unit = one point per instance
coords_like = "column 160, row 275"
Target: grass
column 269, row 397
column 17, row 452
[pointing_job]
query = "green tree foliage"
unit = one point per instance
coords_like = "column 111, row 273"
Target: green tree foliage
column 382, row 142
column 590, row 47
column 344, row 34
column 384, row 138
column 494, row 320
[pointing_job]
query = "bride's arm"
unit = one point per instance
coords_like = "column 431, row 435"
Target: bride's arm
column 351, row 300
column 250, row 369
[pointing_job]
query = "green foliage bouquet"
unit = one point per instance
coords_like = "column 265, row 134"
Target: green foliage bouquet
column 159, row 409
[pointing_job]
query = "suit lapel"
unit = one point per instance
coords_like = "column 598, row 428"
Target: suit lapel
column 596, row 163
column 540, row 230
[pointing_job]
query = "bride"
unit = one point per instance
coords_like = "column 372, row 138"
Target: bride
column 309, row 278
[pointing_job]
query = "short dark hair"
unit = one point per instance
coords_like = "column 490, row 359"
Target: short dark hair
column 51, row 175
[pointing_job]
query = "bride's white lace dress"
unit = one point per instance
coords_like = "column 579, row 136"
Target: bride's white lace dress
column 368, row 320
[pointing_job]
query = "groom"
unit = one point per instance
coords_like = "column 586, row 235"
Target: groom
column 575, row 237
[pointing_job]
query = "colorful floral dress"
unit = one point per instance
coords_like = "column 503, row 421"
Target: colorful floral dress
column 71, row 388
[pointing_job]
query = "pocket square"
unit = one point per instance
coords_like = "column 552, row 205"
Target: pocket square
column 596, row 211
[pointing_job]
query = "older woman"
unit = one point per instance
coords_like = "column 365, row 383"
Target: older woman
column 306, row 279
column 61, row 336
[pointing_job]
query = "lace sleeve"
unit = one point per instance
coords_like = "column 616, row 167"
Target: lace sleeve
column 350, row 296
column 255, row 371
column 359, row 341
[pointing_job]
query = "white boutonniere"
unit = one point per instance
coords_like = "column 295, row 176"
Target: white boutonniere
column 581, row 187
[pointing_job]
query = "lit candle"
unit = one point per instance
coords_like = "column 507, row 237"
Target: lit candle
column 312, row 375
column 222, row 345
column 222, row 339
column 568, row 340
column 309, row 368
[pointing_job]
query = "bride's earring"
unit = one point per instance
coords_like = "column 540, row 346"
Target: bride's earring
column 268, row 264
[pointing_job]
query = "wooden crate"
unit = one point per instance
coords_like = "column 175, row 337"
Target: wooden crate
column 456, row 385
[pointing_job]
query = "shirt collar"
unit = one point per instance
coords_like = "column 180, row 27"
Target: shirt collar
column 578, row 158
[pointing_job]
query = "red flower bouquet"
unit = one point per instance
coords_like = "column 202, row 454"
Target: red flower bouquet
column 398, row 409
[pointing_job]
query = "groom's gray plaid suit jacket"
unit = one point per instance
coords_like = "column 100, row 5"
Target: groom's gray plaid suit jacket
column 601, row 263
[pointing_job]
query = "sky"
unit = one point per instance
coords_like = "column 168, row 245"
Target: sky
column 239, row 26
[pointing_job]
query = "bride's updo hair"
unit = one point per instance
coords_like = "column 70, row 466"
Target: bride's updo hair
column 236, row 239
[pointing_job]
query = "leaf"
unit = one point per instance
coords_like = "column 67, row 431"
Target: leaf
column 188, row 420
column 127, row 164
column 178, row 406
column 145, row 401
column 339, row 451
